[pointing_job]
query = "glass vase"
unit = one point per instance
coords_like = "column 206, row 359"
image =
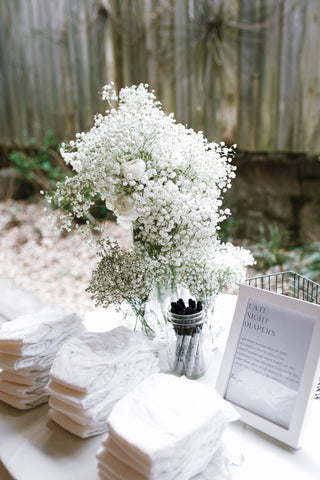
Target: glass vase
column 188, row 344
column 142, row 320
column 216, row 324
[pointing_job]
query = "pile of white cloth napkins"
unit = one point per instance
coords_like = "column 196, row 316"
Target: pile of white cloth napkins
column 167, row 427
column 28, row 345
column 92, row 372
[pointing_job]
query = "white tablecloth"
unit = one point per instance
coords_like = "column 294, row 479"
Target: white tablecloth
column 33, row 447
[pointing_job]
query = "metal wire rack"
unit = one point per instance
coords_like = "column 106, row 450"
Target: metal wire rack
column 288, row 283
column 291, row 284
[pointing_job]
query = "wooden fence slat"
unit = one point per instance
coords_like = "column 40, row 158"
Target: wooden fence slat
column 309, row 73
column 229, row 101
column 269, row 79
column 14, row 66
column 248, row 75
column 6, row 120
column 288, row 103
column 179, row 62
column 265, row 95
column 28, row 64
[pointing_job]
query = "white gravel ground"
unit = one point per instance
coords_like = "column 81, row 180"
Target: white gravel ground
column 38, row 258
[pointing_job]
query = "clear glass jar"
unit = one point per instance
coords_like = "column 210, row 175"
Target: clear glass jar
column 188, row 344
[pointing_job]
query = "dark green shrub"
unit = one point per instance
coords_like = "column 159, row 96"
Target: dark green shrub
column 41, row 165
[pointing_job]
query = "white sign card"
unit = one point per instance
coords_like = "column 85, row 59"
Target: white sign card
column 269, row 369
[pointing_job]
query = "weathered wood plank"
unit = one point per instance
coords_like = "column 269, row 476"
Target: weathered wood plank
column 269, row 78
column 165, row 87
column 180, row 52
column 6, row 119
column 148, row 17
column 248, row 75
column 229, row 101
column 309, row 86
column 14, row 71
column 264, row 95
column 37, row 114
column 289, row 66
column 29, row 64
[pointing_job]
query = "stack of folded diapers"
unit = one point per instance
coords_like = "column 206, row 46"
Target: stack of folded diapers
column 92, row 372
column 167, row 427
column 28, row 346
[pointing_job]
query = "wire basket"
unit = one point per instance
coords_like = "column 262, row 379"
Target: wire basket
column 288, row 283
column 291, row 284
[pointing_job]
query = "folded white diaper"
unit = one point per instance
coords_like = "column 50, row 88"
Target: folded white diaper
column 106, row 351
column 40, row 378
column 75, row 397
column 28, row 346
column 96, row 414
column 24, row 348
column 29, row 329
column 111, row 469
column 114, row 457
column 92, row 372
column 82, row 431
column 23, row 403
column 13, row 362
column 166, row 427
column 22, row 391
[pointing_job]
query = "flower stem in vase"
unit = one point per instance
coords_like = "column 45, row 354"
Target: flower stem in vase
column 139, row 309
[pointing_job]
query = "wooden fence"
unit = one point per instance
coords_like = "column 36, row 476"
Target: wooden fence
column 54, row 59
column 243, row 71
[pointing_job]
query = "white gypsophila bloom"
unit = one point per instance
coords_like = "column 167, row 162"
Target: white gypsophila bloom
column 138, row 146
column 122, row 276
column 160, row 178
column 224, row 265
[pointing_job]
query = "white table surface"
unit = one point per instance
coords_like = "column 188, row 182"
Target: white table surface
column 33, row 447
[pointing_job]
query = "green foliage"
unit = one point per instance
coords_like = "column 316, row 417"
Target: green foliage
column 268, row 251
column 271, row 255
column 306, row 261
column 228, row 229
column 41, row 165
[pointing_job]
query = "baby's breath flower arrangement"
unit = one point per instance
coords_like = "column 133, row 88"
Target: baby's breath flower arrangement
column 123, row 276
column 165, row 183
column 206, row 272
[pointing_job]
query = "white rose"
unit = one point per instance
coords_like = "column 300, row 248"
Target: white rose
column 134, row 169
column 125, row 211
column 109, row 204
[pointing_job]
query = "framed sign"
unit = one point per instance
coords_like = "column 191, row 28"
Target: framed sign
column 269, row 370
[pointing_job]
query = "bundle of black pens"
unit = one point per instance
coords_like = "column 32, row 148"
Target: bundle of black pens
column 186, row 355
